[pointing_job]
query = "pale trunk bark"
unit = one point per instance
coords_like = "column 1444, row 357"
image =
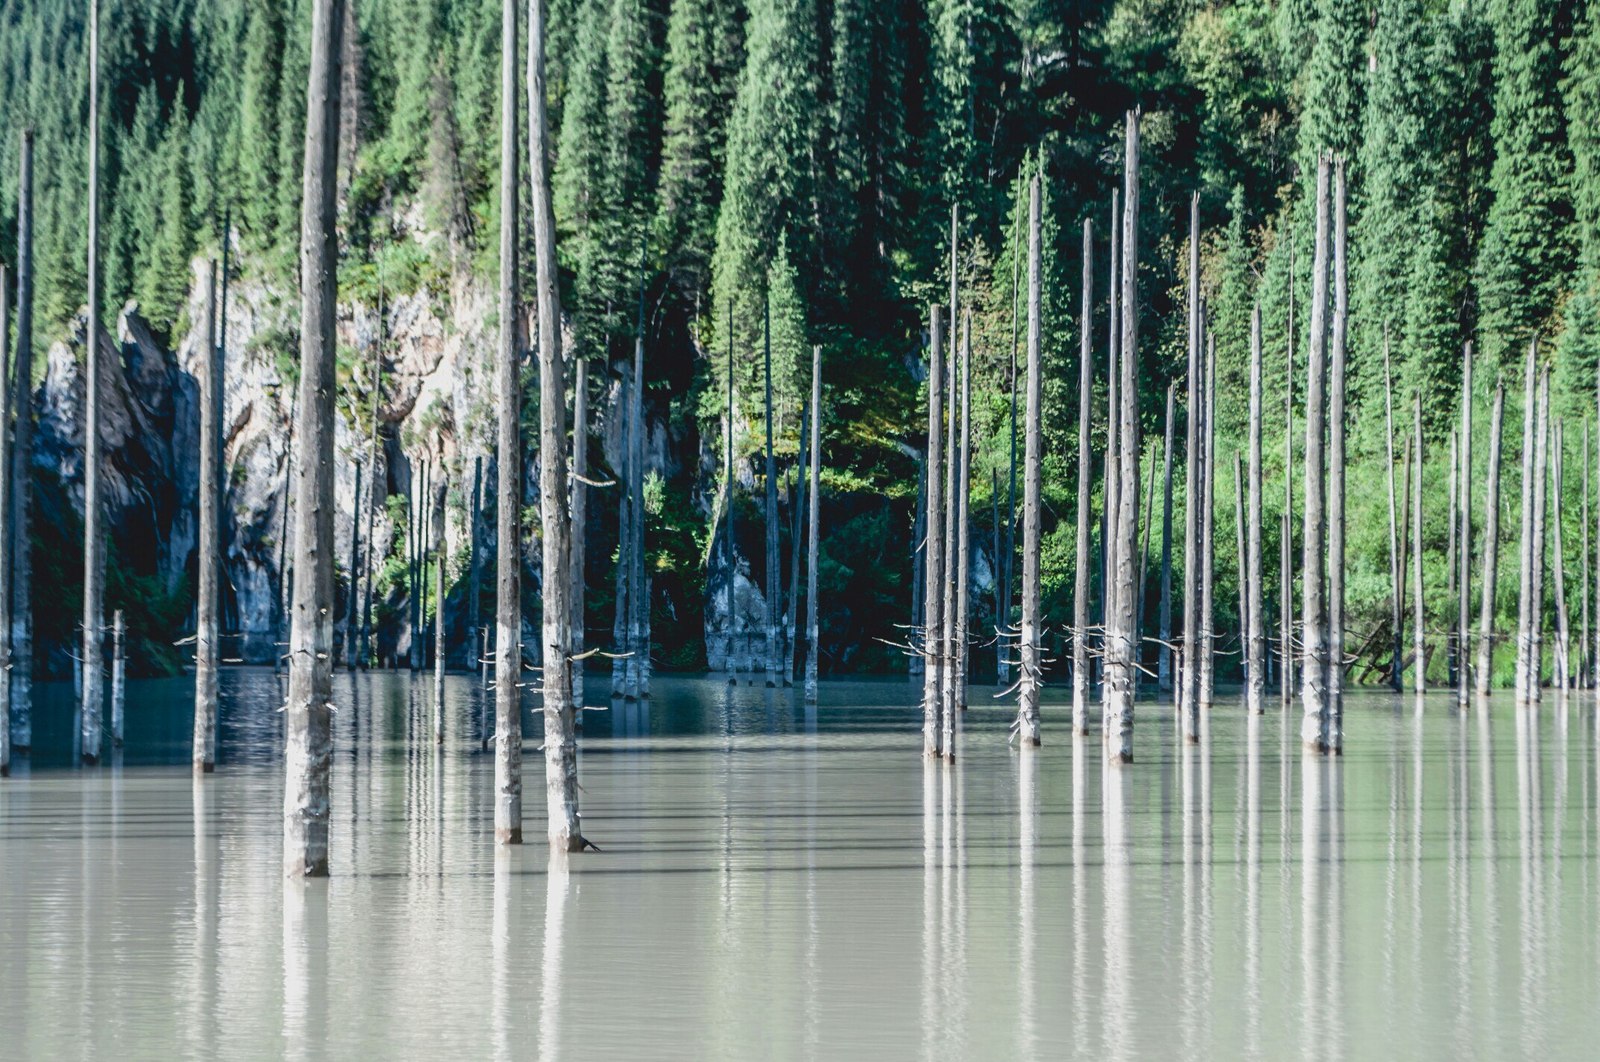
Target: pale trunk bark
column 508, row 462
column 22, row 465
column 560, row 737
column 1008, row 568
column 1397, row 668
column 1240, row 562
column 1563, row 643
column 1530, row 384
column 474, row 570
column 1286, row 646
column 947, row 629
column 580, row 518
column 963, row 529
column 1108, row 489
column 813, row 516
column 1491, row 545
column 119, row 679
column 353, row 579
column 1164, row 652
column 1189, row 692
column 1450, row 567
column 204, row 752
column 1580, row 664
column 933, row 537
column 1419, row 665
column 439, row 628
column 1464, row 578
column 797, row 505
column 1032, row 665
column 309, row 740
column 1080, row 583
column 5, row 526
column 732, row 540
column 1333, row 728
column 1256, row 647
column 639, row 579
column 1314, row 659
column 1123, row 677
column 771, row 479
column 93, row 553
column 918, row 665
column 621, row 632
column 1541, row 464
column 1208, row 522
column 373, row 500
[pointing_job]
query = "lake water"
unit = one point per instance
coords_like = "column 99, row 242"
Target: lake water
column 791, row 884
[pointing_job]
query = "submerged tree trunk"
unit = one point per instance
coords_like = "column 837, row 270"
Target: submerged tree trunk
column 475, row 639
column 1027, row 724
column 508, row 460
column 439, row 627
column 963, row 531
column 621, row 630
column 20, row 498
column 1530, row 393
column 771, row 479
column 5, row 526
column 1397, row 667
column 309, row 741
column 638, row 578
column 119, row 679
column 1108, row 489
column 1123, row 673
column 1208, row 520
column 1002, row 640
column 1464, row 578
column 353, row 579
column 580, row 518
column 1240, row 563
column 1541, row 463
column 1080, row 584
column 1333, row 728
column 93, row 551
column 933, row 538
column 373, row 501
column 797, row 504
column 206, row 655
column 1189, row 693
column 1256, row 644
column 1286, row 646
column 1419, row 665
column 1563, row 644
column 947, row 629
column 1164, row 651
column 560, row 737
column 1491, row 545
column 1314, row 659
column 731, row 542
column 915, row 642
column 814, row 497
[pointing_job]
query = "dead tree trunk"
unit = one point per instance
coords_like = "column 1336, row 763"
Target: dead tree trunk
column 1189, row 693
column 918, row 665
column 1314, row 658
column 119, row 679
column 439, row 627
column 1464, row 579
column 1286, row 646
column 204, row 752
column 1164, row 652
column 1032, row 666
column 947, row 629
column 639, row 577
column 1563, row 644
column 1450, row 567
column 1397, row 667
column 1108, row 489
column 5, row 527
column 93, row 552
column 933, row 539
column 560, row 736
column 353, row 579
column 1581, row 664
column 475, row 637
column 963, row 532
column 1530, row 398
column 621, row 631
column 1491, row 545
column 813, row 517
column 771, row 479
column 732, row 540
column 1008, row 568
column 1080, row 583
column 1419, row 666
column 1208, row 520
column 508, row 460
column 1541, row 464
column 20, row 498
column 580, row 518
column 309, row 741
column 1256, row 647
column 1123, row 675
column 373, row 500
column 1240, row 563
column 797, row 504
column 1333, row 711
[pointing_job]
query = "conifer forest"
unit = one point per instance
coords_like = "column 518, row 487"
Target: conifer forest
column 1030, row 406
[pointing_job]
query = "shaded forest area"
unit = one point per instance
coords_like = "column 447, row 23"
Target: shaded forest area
column 719, row 163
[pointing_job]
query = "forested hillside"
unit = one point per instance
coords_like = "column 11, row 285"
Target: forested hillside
column 721, row 163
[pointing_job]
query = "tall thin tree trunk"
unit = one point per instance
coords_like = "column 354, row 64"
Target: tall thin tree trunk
column 1108, row 490
column 771, row 480
column 440, row 629
column 204, row 752
column 1123, row 674
column 1563, row 644
column 1333, row 729
column 1491, row 545
column 1032, row 666
column 732, row 540
column 20, row 499
column 560, row 737
column 1525, row 539
column 93, row 552
column 1256, row 647
column 918, row 665
column 1286, row 647
column 1189, row 694
column 474, row 569
column 119, row 679
column 580, row 519
column 1581, row 663
column 1164, row 652
column 353, row 581
column 963, row 529
column 5, row 526
column 309, row 741
column 1453, row 524
column 638, row 578
column 1397, row 668
column 797, row 504
column 1241, row 562
column 1314, row 659
column 814, row 496
column 1419, row 666
column 373, row 501
column 933, row 539
column 621, row 628
column 1464, row 579
column 508, row 460
column 1080, row 584
column 1541, row 464
column 1008, row 568
column 1208, row 520
column 947, row 629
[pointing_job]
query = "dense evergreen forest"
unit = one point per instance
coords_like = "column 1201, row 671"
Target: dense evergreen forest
column 724, row 163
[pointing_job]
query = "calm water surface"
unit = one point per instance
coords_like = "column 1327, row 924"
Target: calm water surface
column 784, row 883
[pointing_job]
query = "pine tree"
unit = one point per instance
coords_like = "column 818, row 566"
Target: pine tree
column 1330, row 119
column 259, row 115
column 1580, row 344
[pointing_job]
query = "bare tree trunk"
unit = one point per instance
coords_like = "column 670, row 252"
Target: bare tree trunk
column 1003, row 643
column 1080, row 585
column 1032, row 666
column 580, row 518
column 204, row 752
column 1208, row 520
column 797, row 505
column 947, row 629
column 1525, row 539
column 93, row 552
column 1314, row 660
column 933, row 539
column 1563, row 645
column 508, row 460
column 475, row 637
column 1581, row 664
column 1164, row 652
column 918, row 666
column 1108, row 490
column 373, row 501
column 1464, row 579
column 440, row 629
column 1450, row 567
column 1333, row 728
column 1123, row 675
column 1419, row 666
column 963, row 531
column 621, row 629
column 353, row 581
column 1240, row 563
column 20, row 499
column 560, row 737
column 1397, row 668
column 1286, row 647
column 1256, row 646
column 1541, row 463
column 119, row 679
column 732, row 540
column 1193, row 492
column 1491, row 545
column 309, row 742
column 814, row 516
column 638, row 578
column 771, row 479
column 5, row 526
